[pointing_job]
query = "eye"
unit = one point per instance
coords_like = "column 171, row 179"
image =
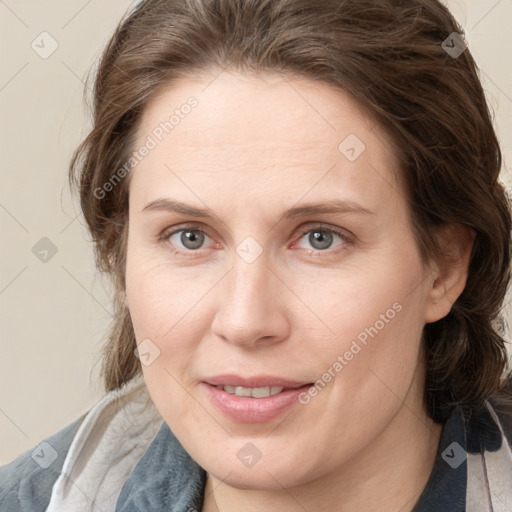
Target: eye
column 322, row 238
column 188, row 239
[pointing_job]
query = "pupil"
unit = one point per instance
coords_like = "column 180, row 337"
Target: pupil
column 320, row 239
column 191, row 239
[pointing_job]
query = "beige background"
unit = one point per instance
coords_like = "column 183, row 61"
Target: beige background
column 55, row 313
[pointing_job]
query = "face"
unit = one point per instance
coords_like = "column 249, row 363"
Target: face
column 270, row 246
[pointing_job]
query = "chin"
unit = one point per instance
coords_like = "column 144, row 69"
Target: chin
column 265, row 479
column 268, row 473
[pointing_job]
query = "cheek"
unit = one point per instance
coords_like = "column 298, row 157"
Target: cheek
column 168, row 320
column 368, row 305
column 376, row 314
column 365, row 376
column 384, row 361
column 164, row 299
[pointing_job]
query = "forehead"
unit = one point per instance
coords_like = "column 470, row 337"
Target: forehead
column 260, row 134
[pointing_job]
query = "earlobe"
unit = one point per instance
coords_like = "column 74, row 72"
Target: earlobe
column 450, row 276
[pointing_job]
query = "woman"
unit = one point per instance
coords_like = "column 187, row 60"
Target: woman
column 299, row 205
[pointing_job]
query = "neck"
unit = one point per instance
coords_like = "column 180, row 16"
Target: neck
column 389, row 475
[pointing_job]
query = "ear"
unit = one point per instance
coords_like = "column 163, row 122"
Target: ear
column 451, row 272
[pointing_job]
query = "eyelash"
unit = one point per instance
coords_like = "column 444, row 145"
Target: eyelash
column 346, row 237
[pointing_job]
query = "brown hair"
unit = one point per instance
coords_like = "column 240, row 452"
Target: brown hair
column 388, row 54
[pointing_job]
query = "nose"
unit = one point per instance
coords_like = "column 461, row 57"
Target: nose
column 251, row 306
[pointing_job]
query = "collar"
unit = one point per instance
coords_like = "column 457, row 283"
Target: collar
column 165, row 479
column 473, row 467
column 446, row 488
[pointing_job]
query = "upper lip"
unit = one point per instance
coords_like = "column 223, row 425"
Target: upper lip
column 257, row 381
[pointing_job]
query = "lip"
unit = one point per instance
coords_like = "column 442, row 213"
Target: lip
column 253, row 410
column 257, row 381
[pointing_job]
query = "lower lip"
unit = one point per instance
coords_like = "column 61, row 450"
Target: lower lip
column 253, row 410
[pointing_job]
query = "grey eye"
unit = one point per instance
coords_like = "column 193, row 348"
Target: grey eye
column 320, row 239
column 191, row 239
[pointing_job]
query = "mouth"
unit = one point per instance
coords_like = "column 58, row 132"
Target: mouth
column 255, row 399
column 262, row 392
column 260, row 386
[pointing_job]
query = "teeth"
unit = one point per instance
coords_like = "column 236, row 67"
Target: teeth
column 252, row 392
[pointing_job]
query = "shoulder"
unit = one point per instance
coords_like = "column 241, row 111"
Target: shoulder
column 503, row 414
column 110, row 441
column 26, row 483
column 488, row 428
column 473, row 468
column 489, row 458
column 501, row 405
column 92, row 455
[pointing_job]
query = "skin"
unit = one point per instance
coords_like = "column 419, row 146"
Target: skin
column 254, row 147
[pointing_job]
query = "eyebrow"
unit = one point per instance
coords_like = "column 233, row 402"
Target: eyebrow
column 326, row 207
